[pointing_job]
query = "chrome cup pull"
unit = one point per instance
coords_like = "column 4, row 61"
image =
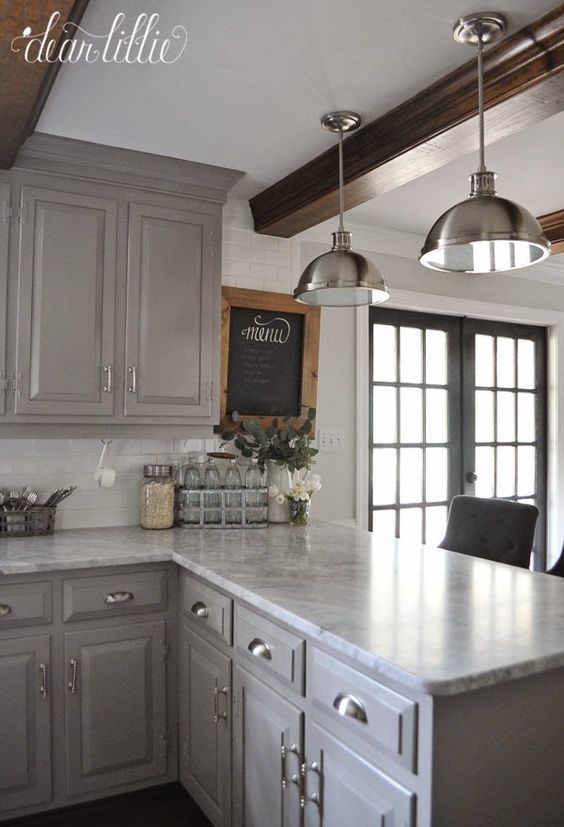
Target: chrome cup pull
column 43, row 686
column 260, row 648
column 200, row 609
column 72, row 683
column 351, row 707
column 119, row 597
column 5, row 610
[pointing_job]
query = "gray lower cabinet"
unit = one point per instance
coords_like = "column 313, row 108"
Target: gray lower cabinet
column 115, row 706
column 66, row 286
column 5, row 210
column 170, row 300
column 205, row 726
column 268, row 746
column 341, row 787
column 25, row 722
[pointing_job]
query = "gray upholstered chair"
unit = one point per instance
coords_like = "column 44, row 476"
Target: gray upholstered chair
column 498, row 530
column 558, row 567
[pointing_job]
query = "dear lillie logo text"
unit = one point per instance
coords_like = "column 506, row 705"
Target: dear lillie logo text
column 143, row 42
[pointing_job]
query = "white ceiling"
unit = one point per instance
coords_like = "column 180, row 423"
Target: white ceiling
column 256, row 76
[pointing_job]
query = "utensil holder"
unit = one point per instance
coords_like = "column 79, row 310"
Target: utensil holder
column 33, row 522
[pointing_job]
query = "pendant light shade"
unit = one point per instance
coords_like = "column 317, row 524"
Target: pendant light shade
column 341, row 277
column 484, row 233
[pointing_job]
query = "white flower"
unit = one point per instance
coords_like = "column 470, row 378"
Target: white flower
column 280, row 498
column 273, row 491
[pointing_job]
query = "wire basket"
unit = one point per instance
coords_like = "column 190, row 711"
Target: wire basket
column 33, row 522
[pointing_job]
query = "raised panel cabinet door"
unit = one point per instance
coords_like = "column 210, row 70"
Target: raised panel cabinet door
column 267, row 755
column 115, row 706
column 170, row 291
column 5, row 220
column 66, row 296
column 341, row 788
column 205, row 725
column 25, row 722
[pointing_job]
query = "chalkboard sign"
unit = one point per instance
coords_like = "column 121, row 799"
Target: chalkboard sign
column 265, row 362
column 270, row 349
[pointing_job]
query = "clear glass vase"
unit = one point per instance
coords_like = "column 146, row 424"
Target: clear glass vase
column 299, row 511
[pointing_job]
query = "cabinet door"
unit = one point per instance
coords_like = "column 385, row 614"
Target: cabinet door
column 66, row 295
column 170, row 290
column 115, row 710
column 349, row 790
column 25, row 722
column 266, row 728
column 205, row 725
column 5, row 209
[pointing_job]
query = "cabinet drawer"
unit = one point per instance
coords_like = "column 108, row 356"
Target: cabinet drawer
column 364, row 708
column 279, row 652
column 109, row 595
column 208, row 608
column 25, row 604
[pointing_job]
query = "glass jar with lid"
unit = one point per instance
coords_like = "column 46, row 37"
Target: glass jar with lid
column 157, row 497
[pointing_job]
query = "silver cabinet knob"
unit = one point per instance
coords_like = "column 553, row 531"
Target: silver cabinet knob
column 260, row 648
column 351, row 707
column 471, row 476
column 119, row 597
column 5, row 610
column 200, row 609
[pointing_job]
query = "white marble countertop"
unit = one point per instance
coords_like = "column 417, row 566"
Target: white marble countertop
column 435, row 621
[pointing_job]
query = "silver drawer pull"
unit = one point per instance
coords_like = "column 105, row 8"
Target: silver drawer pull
column 260, row 648
column 200, row 609
column 5, row 610
column 119, row 597
column 43, row 687
column 72, row 683
column 132, row 386
column 350, row 706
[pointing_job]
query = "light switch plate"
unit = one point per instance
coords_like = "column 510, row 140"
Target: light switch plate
column 330, row 440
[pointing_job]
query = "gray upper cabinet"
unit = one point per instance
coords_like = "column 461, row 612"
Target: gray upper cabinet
column 25, row 722
column 170, row 297
column 115, row 707
column 66, row 298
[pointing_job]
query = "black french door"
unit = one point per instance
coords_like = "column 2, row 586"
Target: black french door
column 457, row 405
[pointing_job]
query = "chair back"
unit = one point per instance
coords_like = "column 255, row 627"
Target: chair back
column 498, row 530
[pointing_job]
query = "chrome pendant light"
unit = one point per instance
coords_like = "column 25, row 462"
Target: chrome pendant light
column 484, row 233
column 341, row 278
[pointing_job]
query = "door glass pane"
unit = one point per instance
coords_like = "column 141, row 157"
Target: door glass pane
column 436, row 518
column 384, row 476
column 411, row 523
column 484, row 360
column 436, row 415
column 436, row 475
column 484, row 416
column 526, row 459
column 411, row 475
column 526, row 363
column 485, row 484
column 505, row 417
column 384, row 353
column 410, row 355
column 505, row 362
column 411, row 413
column 384, row 522
column 436, row 357
column 526, row 420
column 505, row 471
column 384, row 414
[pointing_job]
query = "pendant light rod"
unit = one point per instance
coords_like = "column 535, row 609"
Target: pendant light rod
column 482, row 167
column 341, row 184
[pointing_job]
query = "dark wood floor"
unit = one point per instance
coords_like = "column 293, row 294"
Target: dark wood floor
column 166, row 806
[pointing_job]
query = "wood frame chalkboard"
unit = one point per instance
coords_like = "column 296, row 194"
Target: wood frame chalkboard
column 306, row 372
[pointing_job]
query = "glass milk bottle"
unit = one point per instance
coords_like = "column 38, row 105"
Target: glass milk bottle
column 233, row 494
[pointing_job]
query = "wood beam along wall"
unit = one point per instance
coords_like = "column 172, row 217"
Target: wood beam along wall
column 24, row 87
column 523, row 85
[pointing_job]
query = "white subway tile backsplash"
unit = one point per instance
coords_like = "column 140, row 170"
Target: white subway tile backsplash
column 266, row 242
column 156, row 446
column 242, row 252
column 16, row 447
column 234, row 268
column 236, row 235
column 264, row 272
column 278, row 258
column 51, row 446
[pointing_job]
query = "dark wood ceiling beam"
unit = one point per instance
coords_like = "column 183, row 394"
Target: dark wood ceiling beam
column 553, row 225
column 523, row 85
column 24, row 87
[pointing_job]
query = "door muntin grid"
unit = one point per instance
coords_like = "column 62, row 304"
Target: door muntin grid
column 415, row 391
